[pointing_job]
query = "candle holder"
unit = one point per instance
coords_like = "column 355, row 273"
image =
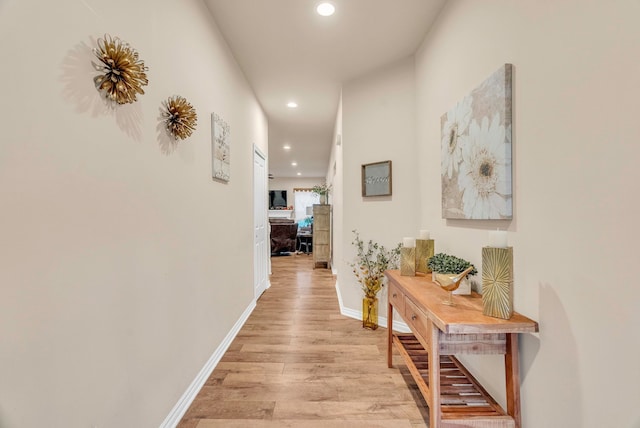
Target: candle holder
column 497, row 282
column 424, row 251
column 408, row 261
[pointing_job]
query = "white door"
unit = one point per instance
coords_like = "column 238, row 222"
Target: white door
column 261, row 251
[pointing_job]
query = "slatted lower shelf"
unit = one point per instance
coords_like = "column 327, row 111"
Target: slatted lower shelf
column 462, row 398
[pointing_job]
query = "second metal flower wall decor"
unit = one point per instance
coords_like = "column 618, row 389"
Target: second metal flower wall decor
column 123, row 73
column 180, row 117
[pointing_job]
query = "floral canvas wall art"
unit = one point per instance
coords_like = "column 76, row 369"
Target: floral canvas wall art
column 221, row 148
column 476, row 152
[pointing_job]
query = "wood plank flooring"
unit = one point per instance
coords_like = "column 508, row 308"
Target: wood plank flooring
column 298, row 363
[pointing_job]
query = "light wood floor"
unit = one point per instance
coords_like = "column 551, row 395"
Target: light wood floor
column 298, row 363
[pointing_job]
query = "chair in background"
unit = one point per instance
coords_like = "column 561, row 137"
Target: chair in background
column 305, row 237
column 283, row 237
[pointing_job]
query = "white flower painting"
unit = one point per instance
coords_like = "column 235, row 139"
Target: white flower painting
column 221, row 149
column 454, row 136
column 476, row 152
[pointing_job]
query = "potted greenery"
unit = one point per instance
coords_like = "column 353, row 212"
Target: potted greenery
column 369, row 266
column 323, row 191
column 448, row 264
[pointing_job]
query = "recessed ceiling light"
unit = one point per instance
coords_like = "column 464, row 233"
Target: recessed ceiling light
column 286, row 147
column 299, row 173
column 325, row 9
column 294, row 163
column 292, row 104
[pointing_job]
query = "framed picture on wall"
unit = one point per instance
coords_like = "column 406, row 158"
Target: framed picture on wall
column 376, row 179
column 220, row 149
column 476, row 152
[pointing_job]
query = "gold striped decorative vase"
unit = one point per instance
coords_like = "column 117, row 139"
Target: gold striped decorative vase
column 497, row 282
column 424, row 251
column 408, row 261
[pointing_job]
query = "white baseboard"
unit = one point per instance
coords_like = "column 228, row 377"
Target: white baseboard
column 340, row 298
column 187, row 398
column 398, row 326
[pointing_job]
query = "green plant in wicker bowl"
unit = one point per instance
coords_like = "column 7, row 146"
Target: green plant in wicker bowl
column 371, row 262
column 445, row 263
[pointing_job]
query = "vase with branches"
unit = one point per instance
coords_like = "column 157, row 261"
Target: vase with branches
column 370, row 263
column 322, row 190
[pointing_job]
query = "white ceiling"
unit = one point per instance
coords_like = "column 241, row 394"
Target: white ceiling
column 288, row 52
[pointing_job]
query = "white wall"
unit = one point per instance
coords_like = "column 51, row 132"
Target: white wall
column 121, row 266
column 335, row 174
column 574, row 233
column 378, row 124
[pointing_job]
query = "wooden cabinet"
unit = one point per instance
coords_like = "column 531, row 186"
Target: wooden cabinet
column 321, row 235
column 455, row 398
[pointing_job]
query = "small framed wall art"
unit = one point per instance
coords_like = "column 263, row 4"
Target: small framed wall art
column 376, row 179
column 221, row 149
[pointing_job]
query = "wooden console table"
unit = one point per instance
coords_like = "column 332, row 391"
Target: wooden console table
column 455, row 398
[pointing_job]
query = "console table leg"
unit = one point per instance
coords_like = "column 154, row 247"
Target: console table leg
column 512, row 372
column 389, row 335
column 435, row 413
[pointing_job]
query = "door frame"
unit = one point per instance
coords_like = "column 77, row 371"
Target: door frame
column 260, row 264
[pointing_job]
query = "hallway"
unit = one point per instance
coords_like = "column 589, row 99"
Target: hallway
column 298, row 363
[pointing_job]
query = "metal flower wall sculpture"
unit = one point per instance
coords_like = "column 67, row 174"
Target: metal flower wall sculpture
column 124, row 74
column 180, row 117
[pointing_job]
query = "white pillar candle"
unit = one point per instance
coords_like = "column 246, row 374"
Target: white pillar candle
column 424, row 234
column 498, row 238
column 409, row 242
